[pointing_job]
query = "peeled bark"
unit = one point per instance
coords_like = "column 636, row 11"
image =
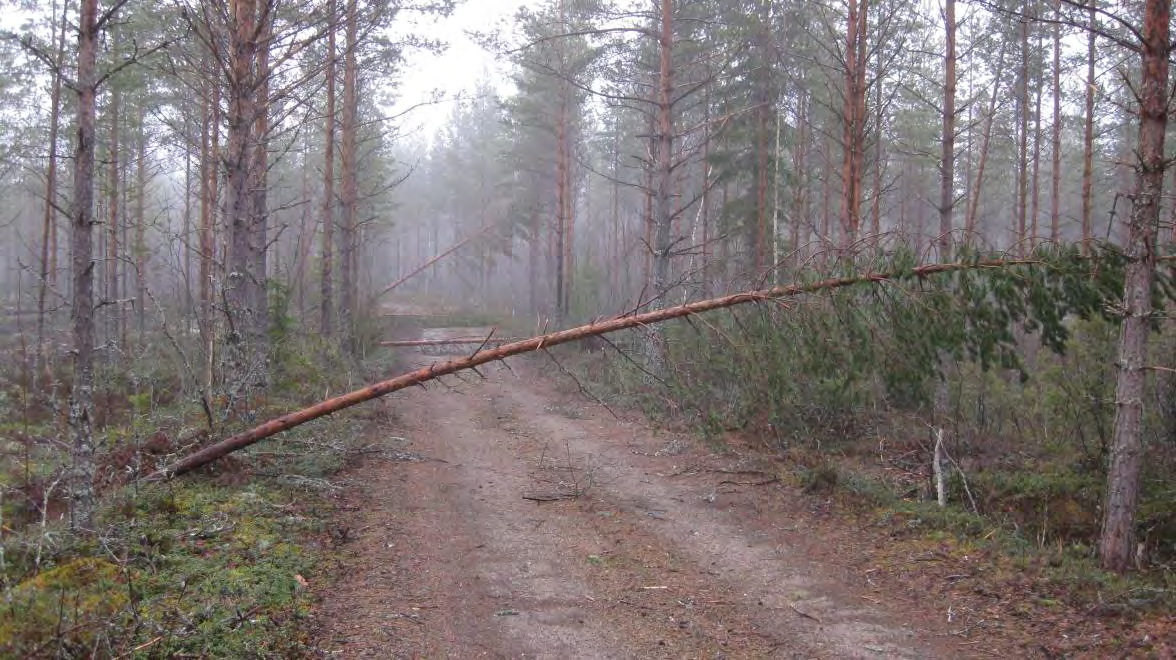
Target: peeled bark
column 1117, row 544
column 435, row 371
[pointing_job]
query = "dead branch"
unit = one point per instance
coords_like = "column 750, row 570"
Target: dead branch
column 437, row 370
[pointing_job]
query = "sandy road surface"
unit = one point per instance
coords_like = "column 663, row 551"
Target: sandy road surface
column 640, row 553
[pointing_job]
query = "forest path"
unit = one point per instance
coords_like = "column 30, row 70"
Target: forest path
column 662, row 552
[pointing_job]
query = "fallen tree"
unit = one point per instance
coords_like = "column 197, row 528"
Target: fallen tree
column 444, row 342
column 480, row 357
column 425, row 266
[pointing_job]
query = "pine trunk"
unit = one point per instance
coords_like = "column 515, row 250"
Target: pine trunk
column 239, row 357
column 49, row 227
column 1088, row 140
column 1117, row 544
column 663, row 214
column 350, row 196
column 947, row 174
column 327, row 290
column 82, row 262
column 1055, row 195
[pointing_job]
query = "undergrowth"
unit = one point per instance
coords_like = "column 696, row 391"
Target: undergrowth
column 212, row 565
column 1016, row 369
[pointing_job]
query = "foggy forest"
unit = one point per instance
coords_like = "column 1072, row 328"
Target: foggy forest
column 587, row 328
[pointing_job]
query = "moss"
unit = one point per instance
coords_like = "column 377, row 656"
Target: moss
column 71, row 602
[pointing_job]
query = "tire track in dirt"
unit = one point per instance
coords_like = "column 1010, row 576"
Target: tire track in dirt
column 450, row 561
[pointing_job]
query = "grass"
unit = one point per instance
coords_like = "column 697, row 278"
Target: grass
column 214, row 565
column 830, row 394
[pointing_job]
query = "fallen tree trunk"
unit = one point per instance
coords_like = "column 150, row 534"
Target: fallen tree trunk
column 425, row 266
column 445, row 342
column 434, row 371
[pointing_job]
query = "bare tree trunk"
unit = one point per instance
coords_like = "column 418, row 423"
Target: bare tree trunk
column 209, row 180
column 1023, row 136
column 561, row 206
column 985, row 141
column 189, row 139
column 947, row 160
column 239, row 309
column 663, row 210
column 113, row 218
column 800, row 192
column 259, row 190
column 141, row 227
column 349, row 191
column 82, row 262
column 1035, row 199
column 1055, row 196
column 327, row 308
column 879, row 166
column 1088, row 140
column 1117, row 543
column 853, row 121
column 49, row 228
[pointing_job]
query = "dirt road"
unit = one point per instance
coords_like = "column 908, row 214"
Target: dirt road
column 515, row 522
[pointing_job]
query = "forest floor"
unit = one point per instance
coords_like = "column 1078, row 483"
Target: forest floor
column 518, row 519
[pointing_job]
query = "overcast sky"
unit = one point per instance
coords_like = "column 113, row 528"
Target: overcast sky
column 461, row 66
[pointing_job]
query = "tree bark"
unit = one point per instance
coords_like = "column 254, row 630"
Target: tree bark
column 947, row 173
column 663, row 211
column 209, row 183
column 1088, row 140
column 82, row 264
column 350, row 193
column 853, row 122
column 113, row 217
column 49, row 228
column 1035, row 198
column 240, row 359
column 1023, row 136
column 259, row 193
column 1055, row 195
column 1117, row 543
column 985, row 142
column 327, row 304
column 141, row 227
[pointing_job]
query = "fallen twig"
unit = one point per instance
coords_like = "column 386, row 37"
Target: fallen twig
column 550, row 497
column 803, row 613
column 765, row 482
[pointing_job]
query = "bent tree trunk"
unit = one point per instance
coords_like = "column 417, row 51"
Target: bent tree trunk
column 1117, row 545
column 434, row 371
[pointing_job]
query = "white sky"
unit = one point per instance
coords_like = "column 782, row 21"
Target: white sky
column 460, row 67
